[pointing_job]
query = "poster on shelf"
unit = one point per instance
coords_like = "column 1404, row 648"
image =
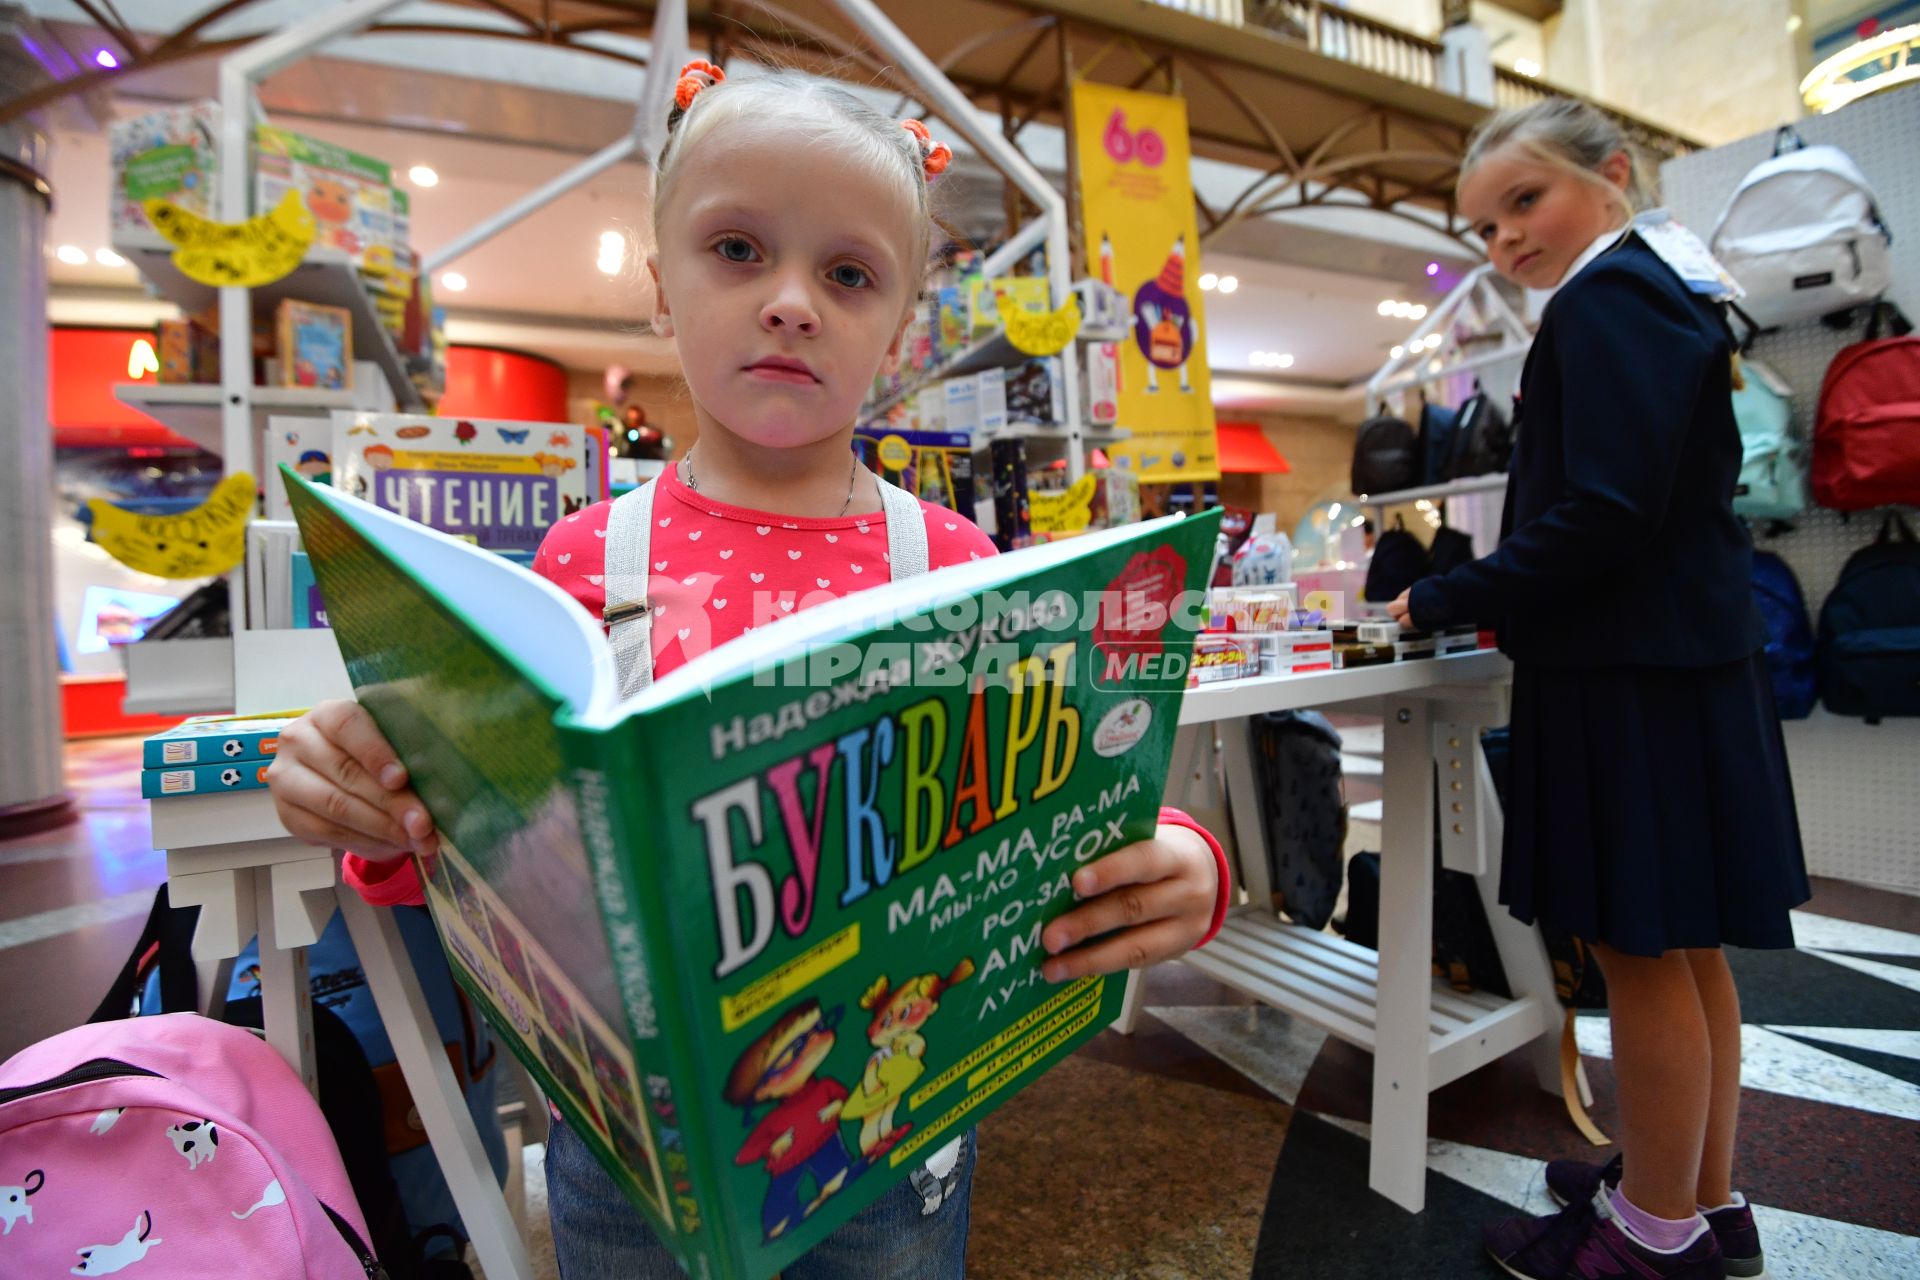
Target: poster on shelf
column 500, row 485
column 1136, row 205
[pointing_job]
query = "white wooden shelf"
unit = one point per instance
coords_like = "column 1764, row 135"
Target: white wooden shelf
column 192, row 409
column 1233, row 699
column 1049, row 431
column 1437, row 492
column 326, row 277
column 1334, row 984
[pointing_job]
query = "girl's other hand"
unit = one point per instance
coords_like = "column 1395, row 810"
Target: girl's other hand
column 1401, row 610
column 336, row 781
column 1141, row 904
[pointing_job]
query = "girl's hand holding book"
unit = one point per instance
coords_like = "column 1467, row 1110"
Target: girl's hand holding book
column 1141, row 904
column 336, row 781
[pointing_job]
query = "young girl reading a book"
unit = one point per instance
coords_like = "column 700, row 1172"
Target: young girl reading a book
column 1651, row 813
column 792, row 231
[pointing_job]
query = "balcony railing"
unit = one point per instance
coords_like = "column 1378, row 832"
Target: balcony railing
column 1341, row 34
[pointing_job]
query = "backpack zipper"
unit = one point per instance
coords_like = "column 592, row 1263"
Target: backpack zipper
column 93, row 1069
column 1853, row 248
column 368, row 1263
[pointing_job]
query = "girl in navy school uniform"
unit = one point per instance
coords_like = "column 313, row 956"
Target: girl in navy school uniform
column 1651, row 813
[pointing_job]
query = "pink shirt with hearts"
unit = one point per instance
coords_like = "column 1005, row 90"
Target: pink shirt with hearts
column 719, row 571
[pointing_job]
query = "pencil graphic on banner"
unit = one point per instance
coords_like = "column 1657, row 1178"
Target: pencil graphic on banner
column 1106, row 277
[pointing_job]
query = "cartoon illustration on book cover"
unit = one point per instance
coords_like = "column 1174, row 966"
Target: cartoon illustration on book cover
column 801, row 1135
column 899, row 1054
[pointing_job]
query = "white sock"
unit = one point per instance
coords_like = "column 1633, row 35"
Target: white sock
column 1738, row 1201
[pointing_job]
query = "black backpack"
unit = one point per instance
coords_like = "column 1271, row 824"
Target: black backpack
column 1464, row 952
column 1303, row 807
column 1869, row 646
column 1438, row 426
column 1399, row 561
column 1450, row 549
column 1386, row 456
column 1482, row 440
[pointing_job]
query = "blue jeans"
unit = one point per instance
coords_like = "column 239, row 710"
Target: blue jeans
column 599, row 1235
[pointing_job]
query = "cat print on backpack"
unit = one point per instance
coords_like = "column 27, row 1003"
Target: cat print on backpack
column 13, row 1201
column 105, row 1259
column 197, row 1140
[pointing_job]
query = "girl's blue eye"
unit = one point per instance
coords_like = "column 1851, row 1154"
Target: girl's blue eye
column 848, row 276
column 734, row 249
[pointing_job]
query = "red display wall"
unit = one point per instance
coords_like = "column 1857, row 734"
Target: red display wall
column 485, row 382
column 82, row 366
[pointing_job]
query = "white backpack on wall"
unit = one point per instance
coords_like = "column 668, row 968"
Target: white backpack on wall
column 1802, row 234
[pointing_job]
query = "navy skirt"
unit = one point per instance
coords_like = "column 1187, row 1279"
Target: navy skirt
column 1651, row 808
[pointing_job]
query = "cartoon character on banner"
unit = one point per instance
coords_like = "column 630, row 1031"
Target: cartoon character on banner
column 1163, row 321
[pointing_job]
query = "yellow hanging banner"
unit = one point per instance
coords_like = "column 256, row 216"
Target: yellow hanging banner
column 259, row 251
column 208, row 540
column 1136, row 209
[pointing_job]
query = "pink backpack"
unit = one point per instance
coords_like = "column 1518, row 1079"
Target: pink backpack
column 170, row 1147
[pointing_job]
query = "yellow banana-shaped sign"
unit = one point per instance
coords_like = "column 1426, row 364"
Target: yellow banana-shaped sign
column 208, row 540
column 1067, row 511
column 1046, row 334
column 259, row 251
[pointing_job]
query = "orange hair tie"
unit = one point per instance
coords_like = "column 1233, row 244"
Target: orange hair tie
column 694, row 77
column 934, row 156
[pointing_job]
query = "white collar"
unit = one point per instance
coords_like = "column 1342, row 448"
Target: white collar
column 1537, row 299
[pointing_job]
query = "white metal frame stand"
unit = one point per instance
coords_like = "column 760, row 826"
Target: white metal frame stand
column 1422, row 1033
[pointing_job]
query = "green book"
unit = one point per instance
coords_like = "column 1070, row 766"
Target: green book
column 768, row 932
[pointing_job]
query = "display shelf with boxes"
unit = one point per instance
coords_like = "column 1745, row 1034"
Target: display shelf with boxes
column 192, row 409
column 326, row 277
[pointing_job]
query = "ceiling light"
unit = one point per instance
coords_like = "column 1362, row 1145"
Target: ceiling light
column 1526, row 66
column 453, row 282
column 423, row 176
column 1386, row 308
column 613, row 252
column 1284, row 361
column 1420, row 311
column 1433, row 366
column 108, row 258
column 72, row 254
column 1793, row 22
column 1433, row 269
column 1229, row 283
column 1397, row 352
column 105, row 59
column 1207, row 282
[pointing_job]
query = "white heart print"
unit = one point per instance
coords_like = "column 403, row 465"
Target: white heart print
column 719, row 604
column 787, row 605
column 757, row 577
column 861, row 525
column 683, row 633
column 785, row 525
column 763, row 529
column 664, row 523
column 596, row 579
column 565, row 557
column 793, row 555
column 600, row 533
column 695, row 535
column 833, row 537
column 951, row 526
column 660, row 566
column 687, row 582
column 820, row 582
column 727, row 554
column 856, row 568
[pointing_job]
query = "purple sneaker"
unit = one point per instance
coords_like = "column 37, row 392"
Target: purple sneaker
column 1584, row 1242
column 1575, row 1181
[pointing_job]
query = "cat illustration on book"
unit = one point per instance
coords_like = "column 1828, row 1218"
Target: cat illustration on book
column 899, row 1053
column 801, row 1135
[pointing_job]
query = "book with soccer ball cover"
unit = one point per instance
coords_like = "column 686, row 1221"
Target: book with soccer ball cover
column 768, row 931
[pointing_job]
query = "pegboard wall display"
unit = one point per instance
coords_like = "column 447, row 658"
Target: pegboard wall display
column 1855, row 783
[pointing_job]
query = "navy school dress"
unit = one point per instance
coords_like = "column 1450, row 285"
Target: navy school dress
column 1650, row 805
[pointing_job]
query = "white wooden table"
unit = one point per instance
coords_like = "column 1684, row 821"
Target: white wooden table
column 1422, row 1033
column 228, row 854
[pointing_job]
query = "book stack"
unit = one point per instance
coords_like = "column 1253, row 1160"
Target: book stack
column 211, row 753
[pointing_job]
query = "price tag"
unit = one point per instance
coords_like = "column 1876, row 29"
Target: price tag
column 1690, row 259
column 1068, row 511
column 264, row 248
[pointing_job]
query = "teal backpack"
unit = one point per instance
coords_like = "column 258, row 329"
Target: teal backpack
column 1773, row 465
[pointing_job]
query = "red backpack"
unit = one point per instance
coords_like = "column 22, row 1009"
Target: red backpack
column 1866, row 441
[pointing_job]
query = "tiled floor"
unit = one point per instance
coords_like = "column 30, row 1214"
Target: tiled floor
column 1224, row 1139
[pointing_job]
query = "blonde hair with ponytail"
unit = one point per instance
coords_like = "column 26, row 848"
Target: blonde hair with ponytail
column 1568, row 135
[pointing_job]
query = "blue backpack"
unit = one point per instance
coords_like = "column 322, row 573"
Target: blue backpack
column 1773, row 466
column 1789, row 635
